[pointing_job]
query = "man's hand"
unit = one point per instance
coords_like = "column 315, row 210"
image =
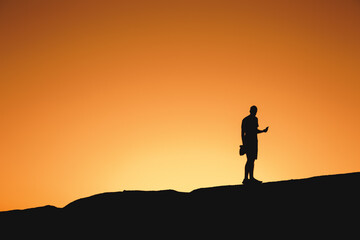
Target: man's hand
column 266, row 129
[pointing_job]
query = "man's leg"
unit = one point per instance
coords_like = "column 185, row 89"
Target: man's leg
column 247, row 170
column 251, row 172
column 251, row 168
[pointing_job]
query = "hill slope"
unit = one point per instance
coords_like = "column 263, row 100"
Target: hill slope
column 318, row 204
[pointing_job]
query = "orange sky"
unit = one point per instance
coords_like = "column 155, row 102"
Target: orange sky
column 110, row 95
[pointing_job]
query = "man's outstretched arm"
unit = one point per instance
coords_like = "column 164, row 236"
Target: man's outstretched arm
column 264, row 130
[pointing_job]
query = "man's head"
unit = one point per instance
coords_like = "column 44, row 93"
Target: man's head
column 253, row 110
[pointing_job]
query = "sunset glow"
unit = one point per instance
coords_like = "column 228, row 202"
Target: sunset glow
column 101, row 96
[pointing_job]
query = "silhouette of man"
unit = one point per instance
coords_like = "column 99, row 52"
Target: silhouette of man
column 249, row 132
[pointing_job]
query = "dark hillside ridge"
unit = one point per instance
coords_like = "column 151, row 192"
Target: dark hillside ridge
column 320, row 204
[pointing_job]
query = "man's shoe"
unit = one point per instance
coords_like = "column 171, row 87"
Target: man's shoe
column 246, row 181
column 253, row 180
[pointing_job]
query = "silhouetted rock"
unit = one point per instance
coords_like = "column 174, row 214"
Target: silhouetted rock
column 319, row 205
